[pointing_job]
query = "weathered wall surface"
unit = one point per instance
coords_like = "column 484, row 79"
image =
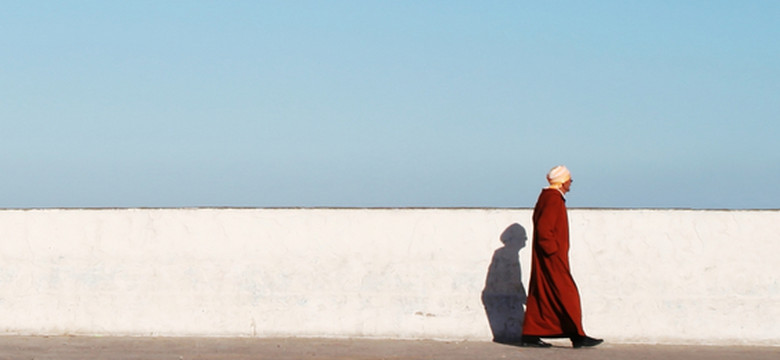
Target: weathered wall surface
column 644, row 275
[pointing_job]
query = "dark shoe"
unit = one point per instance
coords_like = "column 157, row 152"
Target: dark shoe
column 536, row 342
column 585, row 341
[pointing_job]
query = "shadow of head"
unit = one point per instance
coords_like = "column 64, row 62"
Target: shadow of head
column 514, row 237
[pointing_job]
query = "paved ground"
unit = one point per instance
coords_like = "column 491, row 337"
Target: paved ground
column 80, row 348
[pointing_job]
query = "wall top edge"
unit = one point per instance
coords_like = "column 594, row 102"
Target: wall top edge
column 369, row 208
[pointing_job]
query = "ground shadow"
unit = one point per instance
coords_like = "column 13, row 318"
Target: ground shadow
column 504, row 294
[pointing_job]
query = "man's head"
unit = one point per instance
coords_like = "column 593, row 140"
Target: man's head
column 559, row 177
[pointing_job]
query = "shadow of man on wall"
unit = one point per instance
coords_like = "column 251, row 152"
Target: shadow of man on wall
column 504, row 294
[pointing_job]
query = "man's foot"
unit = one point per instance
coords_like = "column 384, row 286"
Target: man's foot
column 533, row 341
column 585, row 341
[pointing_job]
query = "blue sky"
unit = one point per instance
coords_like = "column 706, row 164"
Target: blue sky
column 651, row 104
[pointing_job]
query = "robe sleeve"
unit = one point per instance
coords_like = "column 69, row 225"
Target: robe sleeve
column 548, row 218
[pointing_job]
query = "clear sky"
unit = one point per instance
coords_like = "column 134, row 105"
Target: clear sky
column 389, row 103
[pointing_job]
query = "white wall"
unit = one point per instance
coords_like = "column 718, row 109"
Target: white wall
column 644, row 275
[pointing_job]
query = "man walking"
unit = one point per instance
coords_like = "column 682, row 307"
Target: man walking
column 553, row 308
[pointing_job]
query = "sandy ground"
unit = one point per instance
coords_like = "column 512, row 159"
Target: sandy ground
column 67, row 348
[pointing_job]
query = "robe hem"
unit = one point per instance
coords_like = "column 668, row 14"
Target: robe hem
column 555, row 336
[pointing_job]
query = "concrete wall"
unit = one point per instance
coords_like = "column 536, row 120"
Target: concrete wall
column 644, row 275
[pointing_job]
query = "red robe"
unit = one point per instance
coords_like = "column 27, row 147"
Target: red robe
column 553, row 307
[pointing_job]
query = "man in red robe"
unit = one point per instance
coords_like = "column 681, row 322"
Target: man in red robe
column 553, row 308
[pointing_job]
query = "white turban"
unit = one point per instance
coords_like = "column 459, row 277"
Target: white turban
column 558, row 175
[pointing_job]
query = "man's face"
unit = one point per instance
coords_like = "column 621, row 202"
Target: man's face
column 566, row 187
